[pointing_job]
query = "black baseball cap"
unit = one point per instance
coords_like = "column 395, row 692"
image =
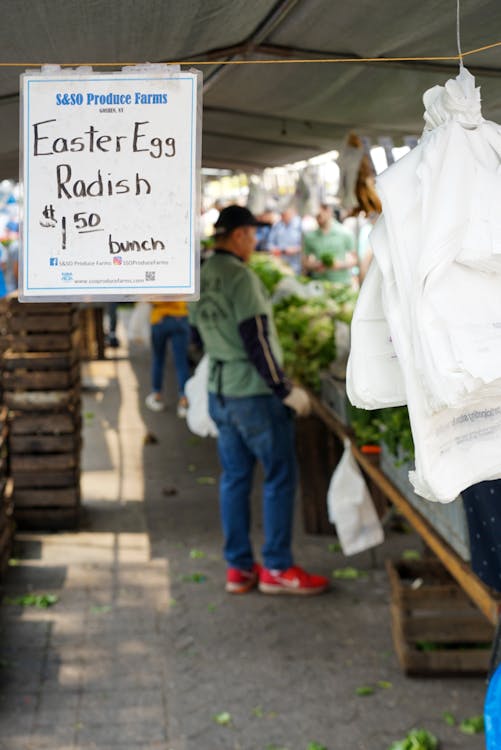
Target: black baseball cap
column 233, row 217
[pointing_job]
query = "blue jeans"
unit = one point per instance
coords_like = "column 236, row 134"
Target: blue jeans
column 176, row 329
column 256, row 428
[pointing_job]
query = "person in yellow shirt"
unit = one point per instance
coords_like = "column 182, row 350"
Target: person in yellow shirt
column 169, row 321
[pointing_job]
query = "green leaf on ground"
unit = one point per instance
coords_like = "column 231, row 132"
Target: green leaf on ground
column 100, row 609
column 196, row 554
column 364, row 690
column 417, row 739
column 194, row 578
column 349, row 573
column 384, row 685
column 258, row 712
column 41, row 601
column 89, row 416
column 473, row 725
column 334, row 547
column 206, row 480
column 211, row 607
column 224, row 718
column 449, row 718
column 411, row 554
column 315, row 746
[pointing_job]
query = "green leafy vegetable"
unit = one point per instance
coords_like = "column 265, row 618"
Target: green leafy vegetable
column 449, row 719
column 364, row 690
column 196, row 554
column 315, row 746
column 349, row 573
column 411, row 554
column 417, row 739
column 384, row 685
column 195, row 577
column 473, row 725
column 206, row 480
column 41, row 601
column 224, row 718
column 334, row 547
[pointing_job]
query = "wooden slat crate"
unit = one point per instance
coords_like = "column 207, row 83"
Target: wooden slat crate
column 318, row 451
column 436, row 629
column 40, row 360
column 44, row 342
column 49, row 519
column 6, row 524
column 60, row 400
column 41, row 389
column 62, row 423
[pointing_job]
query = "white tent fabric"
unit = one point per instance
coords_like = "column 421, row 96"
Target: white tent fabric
column 263, row 115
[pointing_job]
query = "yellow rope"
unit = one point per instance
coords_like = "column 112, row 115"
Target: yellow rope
column 344, row 60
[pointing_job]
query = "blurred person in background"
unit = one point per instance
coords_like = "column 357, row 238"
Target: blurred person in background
column 169, row 322
column 329, row 251
column 284, row 239
column 266, row 220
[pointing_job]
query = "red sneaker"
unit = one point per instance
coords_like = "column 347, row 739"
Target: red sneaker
column 294, row 580
column 242, row 581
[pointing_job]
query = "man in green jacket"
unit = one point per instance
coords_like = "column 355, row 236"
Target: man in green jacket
column 253, row 404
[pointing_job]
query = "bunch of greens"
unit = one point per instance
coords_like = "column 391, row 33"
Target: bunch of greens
column 417, row 739
column 365, row 425
column 396, row 433
column 389, row 426
column 345, row 296
column 270, row 270
column 306, row 329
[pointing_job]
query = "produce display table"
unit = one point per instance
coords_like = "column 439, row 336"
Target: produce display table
column 482, row 596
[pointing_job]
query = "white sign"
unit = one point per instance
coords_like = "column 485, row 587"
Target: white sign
column 111, row 165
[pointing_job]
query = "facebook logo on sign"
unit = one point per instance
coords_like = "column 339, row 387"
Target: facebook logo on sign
column 53, row 261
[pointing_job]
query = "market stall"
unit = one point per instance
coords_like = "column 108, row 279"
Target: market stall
column 311, row 318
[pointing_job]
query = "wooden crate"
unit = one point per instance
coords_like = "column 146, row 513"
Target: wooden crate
column 47, row 519
column 436, row 629
column 44, row 342
column 318, row 452
column 41, row 388
column 7, row 525
column 62, row 423
column 38, row 401
column 41, row 380
column 45, row 479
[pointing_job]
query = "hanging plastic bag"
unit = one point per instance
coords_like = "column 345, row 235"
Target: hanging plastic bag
column 198, row 418
column 139, row 327
column 350, row 507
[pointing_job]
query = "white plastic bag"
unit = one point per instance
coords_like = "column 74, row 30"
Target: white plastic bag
column 350, row 507
column 198, row 418
column 139, row 327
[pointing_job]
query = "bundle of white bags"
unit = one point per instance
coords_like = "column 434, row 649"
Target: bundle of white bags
column 427, row 327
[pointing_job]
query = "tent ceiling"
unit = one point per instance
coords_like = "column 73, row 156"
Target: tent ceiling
column 264, row 115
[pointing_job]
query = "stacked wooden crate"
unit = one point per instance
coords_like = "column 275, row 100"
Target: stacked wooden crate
column 41, row 388
column 436, row 628
column 6, row 517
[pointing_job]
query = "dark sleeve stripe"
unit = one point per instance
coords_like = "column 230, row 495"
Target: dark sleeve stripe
column 254, row 335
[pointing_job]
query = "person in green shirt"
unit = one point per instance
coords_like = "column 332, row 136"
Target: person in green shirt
column 252, row 404
column 329, row 251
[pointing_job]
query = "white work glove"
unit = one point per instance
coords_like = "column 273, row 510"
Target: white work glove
column 298, row 400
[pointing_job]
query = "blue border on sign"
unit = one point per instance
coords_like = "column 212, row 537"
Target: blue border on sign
column 84, row 287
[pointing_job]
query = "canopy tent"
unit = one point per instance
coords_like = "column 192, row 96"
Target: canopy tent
column 256, row 116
